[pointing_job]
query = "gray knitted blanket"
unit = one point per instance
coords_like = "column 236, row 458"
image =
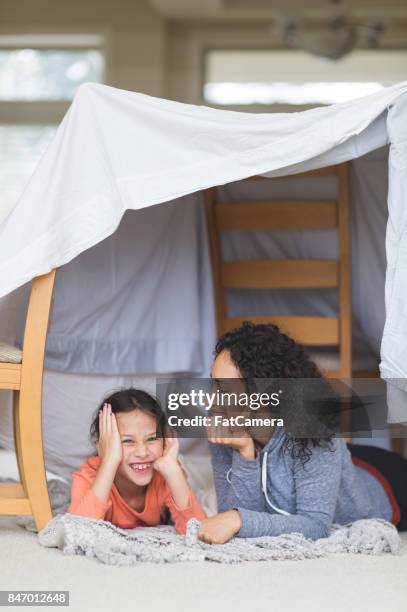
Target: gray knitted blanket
column 75, row 535
column 109, row 544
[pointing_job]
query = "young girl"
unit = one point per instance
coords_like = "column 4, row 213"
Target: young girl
column 136, row 477
column 282, row 484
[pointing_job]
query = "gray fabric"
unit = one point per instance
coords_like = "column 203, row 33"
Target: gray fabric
column 368, row 217
column 140, row 301
column 326, row 489
column 59, row 495
column 9, row 353
column 125, row 547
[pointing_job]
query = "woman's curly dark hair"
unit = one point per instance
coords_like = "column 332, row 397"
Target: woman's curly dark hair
column 262, row 351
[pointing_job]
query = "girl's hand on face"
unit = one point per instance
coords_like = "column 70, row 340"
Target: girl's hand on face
column 220, row 528
column 169, row 459
column 109, row 446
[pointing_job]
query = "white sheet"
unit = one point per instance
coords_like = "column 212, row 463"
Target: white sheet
column 117, row 150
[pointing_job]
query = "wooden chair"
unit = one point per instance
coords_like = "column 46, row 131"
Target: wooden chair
column 22, row 372
column 322, row 332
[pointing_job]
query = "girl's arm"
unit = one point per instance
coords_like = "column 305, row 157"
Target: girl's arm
column 84, row 502
column 92, row 499
column 179, row 497
column 177, row 485
column 191, row 509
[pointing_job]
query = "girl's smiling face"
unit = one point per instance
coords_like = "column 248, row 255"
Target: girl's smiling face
column 140, row 445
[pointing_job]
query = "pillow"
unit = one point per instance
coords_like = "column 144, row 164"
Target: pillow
column 10, row 354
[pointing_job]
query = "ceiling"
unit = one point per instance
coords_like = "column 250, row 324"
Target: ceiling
column 237, row 10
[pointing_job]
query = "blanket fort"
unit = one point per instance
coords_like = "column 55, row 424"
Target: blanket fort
column 117, row 150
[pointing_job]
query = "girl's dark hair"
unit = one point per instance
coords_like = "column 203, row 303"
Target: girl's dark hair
column 128, row 400
column 262, row 351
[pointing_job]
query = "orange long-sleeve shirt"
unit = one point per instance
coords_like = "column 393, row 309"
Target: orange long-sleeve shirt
column 85, row 503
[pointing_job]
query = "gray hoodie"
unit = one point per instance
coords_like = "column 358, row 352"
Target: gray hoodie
column 327, row 489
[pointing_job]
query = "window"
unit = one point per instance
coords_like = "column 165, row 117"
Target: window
column 51, row 74
column 39, row 75
column 291, row 77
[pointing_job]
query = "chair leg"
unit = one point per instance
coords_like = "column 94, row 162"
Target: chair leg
column 31, row 456
column 397, row 439
column 17, row 437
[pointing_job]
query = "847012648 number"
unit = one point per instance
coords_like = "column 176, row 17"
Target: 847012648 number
column 34, row 598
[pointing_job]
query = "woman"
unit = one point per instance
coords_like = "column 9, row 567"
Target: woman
column 293, row 484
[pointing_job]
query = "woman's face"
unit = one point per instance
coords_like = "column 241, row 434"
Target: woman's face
column 225, row 375
column 140, row 446
column 226, row 378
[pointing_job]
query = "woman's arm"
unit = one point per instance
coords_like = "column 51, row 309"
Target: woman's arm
column 237, row 480
column 235, row 468
column 221, row 459
column 316, row 488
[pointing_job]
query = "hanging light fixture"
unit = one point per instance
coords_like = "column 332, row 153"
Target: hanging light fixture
column 334, row 37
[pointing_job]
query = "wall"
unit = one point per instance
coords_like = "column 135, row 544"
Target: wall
column 187, row 42
column 146, row 53
column 135, row 34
